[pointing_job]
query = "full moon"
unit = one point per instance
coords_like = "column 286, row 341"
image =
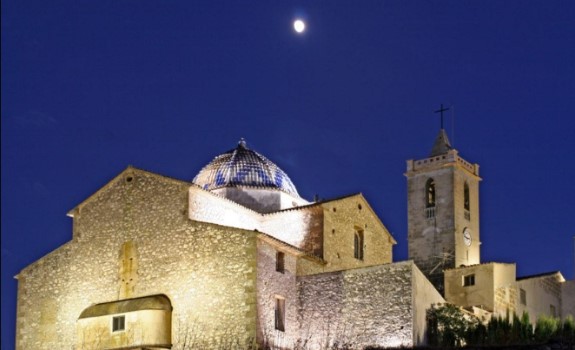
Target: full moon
column 299, row 25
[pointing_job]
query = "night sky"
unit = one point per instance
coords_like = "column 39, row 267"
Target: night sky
column 90, row 87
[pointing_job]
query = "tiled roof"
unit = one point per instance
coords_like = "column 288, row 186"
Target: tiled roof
column 242, row 166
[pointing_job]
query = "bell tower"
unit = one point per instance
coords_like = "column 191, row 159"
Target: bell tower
column 443, row 211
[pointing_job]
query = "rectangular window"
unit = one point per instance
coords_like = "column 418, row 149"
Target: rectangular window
column 552, row 311
column 469, row 280
column 358, row 245
column 280, row 257
column 280, row 314
column 118, row 323
column 523, row 296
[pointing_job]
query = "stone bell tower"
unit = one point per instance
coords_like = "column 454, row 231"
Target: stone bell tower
column 443, row 211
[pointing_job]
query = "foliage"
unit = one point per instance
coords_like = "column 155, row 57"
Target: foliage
column 448, row 326
column 545, row 328
column 567, row 332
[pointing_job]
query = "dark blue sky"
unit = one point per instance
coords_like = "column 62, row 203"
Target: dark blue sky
column 90, row 87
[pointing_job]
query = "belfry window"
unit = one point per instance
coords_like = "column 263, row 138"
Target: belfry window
column 118, row 323
column 466, row 196
column 466, row 201
column 358, row 245
column 280, row 314
column 430, row 193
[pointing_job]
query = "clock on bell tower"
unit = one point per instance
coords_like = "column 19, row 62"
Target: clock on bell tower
column 443, row 211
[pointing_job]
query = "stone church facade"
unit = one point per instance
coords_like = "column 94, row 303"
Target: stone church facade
column 236, row 259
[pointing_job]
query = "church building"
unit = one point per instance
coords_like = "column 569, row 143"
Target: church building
column 236, row 259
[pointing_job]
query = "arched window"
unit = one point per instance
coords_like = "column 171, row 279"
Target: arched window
column 430, row 193
column 358, row 245
column 466, row 196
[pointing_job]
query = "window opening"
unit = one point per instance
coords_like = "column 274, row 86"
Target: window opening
column 466, row 204
column 430, row 193
column 280, row 314
column 466, row 196
column 523, row 296
column 118, row 323
column 552, row 311
column 469, row 280
column 358, row 245
column 280, row 258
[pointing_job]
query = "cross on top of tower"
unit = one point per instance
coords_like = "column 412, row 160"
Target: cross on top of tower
column 441, row 110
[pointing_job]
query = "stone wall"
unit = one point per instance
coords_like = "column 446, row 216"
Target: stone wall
column 342, row 218
column 272, row 284
column 364, row 306
column 212, row 285
column 300, row 227
column 435, row 234
column 493, row 288
column 205, row 206
column 424, row 295
column 146, row 328
column 541, row 292
column 568, row 298
column 431, row 240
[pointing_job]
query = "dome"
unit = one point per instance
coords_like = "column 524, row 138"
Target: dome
column 243, row 167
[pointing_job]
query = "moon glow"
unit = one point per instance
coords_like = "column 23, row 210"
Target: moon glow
column 299, row 25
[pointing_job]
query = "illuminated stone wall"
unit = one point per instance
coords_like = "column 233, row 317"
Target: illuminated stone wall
column 139, row 236
column 149, row 328
column 541, row 293
column 300, row 227
column 435, row 241
column 272, row 284
column 365, row 306
column 207, row 271
column 493, row 290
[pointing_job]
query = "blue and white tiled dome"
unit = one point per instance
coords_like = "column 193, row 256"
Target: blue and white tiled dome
column 243, row 167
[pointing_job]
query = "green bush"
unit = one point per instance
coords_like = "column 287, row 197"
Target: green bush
column 448, row 327
column 545, row 328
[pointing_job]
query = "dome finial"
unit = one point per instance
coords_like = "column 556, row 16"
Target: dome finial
column 242, row 143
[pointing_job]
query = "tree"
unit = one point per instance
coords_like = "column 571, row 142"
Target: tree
column 448, row 326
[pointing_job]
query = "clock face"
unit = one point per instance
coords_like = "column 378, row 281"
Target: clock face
column 467, row 237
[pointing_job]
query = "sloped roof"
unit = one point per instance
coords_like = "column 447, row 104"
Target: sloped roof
column 544, row 274
column 129, row 170
column 152, row 302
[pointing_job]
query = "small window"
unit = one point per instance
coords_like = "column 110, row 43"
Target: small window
column 430, row 193
column 552, row 311
column 280, row 314
column 280, row 257
column 523, row 296
column 358, row 245
column 118, row 323
column 469, row 280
